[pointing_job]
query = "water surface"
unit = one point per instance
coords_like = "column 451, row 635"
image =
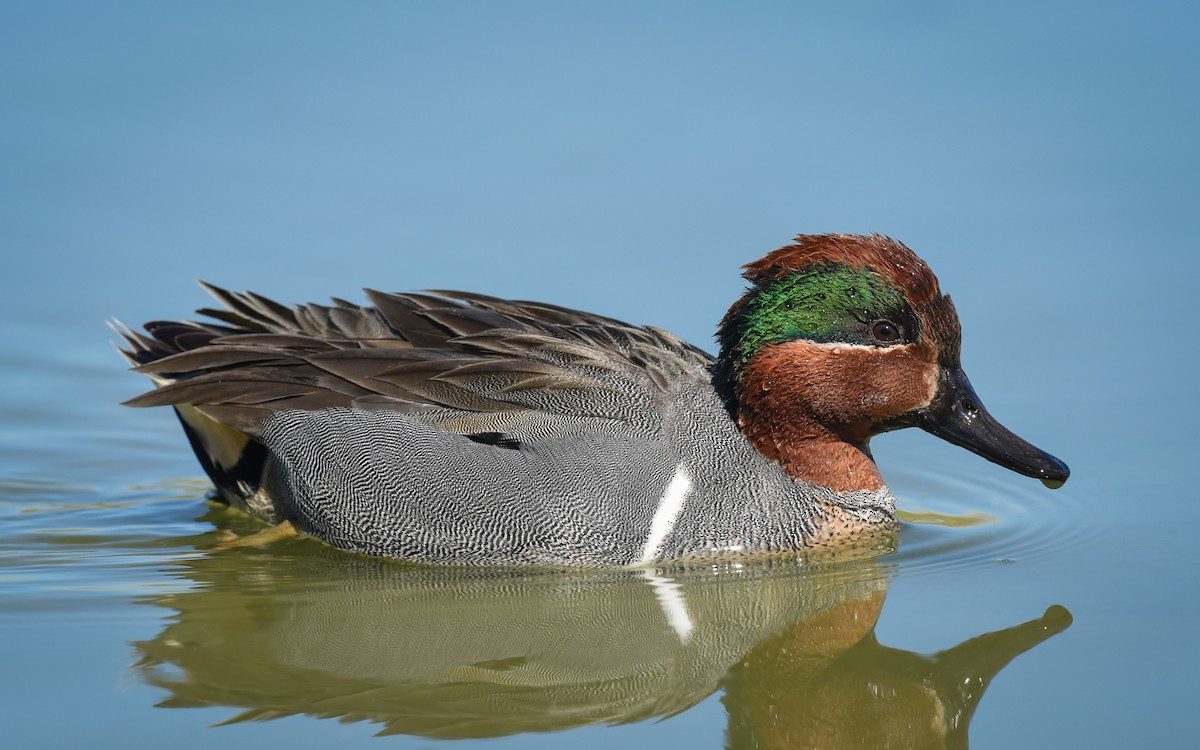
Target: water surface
column 788, row 646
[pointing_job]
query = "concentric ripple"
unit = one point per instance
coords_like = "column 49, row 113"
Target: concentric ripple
column 962, row 518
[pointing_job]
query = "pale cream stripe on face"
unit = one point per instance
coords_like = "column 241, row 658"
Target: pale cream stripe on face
column 667, row 513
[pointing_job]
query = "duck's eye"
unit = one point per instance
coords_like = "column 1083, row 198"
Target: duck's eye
column 885, row 332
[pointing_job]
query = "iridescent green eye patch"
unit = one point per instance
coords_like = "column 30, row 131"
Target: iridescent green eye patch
column 825, row 303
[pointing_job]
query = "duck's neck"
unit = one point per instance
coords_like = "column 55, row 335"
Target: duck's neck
column 771, row 402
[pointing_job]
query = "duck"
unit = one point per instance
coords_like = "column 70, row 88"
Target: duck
column 455, row 428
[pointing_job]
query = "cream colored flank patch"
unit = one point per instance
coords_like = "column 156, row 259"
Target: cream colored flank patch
column 222, row 443
column 667, row 513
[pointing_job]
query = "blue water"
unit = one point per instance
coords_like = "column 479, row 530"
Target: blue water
column 625, row 160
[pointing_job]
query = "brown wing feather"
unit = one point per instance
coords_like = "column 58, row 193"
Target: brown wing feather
column 449, row 351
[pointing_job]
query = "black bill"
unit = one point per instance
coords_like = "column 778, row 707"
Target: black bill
column 957, row 416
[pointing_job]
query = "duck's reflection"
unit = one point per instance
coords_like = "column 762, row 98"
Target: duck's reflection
column 454, row 653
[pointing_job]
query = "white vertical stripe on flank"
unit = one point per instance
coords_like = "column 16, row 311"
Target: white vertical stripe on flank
column 667, row 513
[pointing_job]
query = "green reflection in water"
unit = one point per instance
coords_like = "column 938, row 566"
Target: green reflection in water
column 297, row 628
column 934, row 518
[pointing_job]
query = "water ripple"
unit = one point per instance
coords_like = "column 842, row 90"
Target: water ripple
column 966, row 518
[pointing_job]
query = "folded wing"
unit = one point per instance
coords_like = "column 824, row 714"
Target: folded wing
column 468, row 363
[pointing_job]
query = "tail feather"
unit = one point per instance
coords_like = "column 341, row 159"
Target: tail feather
column 233, row 460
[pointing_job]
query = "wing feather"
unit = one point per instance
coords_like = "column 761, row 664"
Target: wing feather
column 464, row 359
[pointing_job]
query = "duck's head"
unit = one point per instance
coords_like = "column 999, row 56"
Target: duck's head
column 840, row 338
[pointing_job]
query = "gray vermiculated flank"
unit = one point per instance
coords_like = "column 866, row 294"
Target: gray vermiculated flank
column 385, row 483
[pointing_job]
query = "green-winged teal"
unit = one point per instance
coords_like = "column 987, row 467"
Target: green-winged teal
column 458, row 428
